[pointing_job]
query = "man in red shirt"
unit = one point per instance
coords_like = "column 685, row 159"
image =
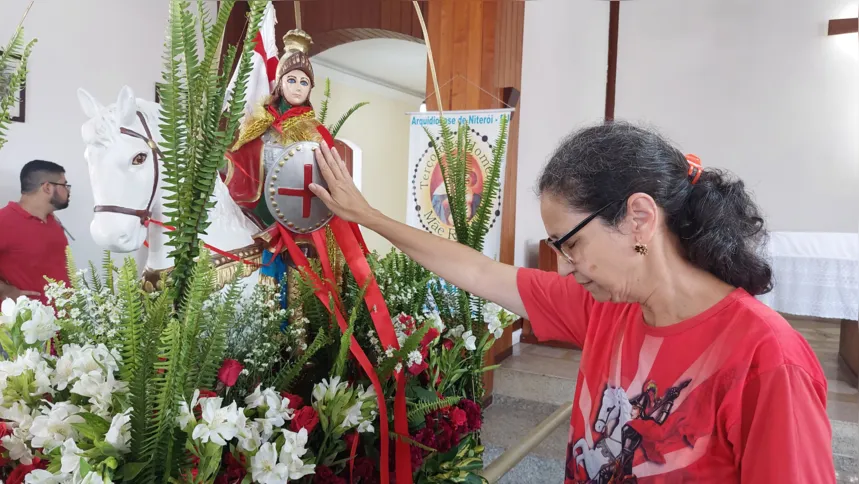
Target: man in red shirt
column 32, row 241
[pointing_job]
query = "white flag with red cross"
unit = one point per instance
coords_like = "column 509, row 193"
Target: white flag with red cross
column 263, row 64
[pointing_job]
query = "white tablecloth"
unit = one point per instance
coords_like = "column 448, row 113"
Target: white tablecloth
column 816, row 274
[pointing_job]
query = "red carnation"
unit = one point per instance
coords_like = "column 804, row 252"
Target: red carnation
column 459, row 418
column 417, row 457
column 472, row 412
column 446, row 437
column 235, row 471
column 365, row 470
column 426, row 437
column 324, row 475
column 229, row 372
column 19, row 473
column 305, row 417
column 295, row 402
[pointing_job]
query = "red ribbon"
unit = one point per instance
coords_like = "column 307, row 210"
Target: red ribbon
column 210, row 247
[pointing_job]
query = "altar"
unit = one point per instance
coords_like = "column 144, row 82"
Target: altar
column 817, row 275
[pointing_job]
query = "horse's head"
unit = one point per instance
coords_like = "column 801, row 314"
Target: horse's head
column 122, row 169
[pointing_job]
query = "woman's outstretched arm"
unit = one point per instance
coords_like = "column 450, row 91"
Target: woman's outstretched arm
column 454, row 262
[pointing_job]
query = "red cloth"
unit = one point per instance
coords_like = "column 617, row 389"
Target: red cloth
column 31, row 249
column 747, row 394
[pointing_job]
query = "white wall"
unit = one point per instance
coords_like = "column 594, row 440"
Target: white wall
column 99, row 45
column 754, row 87
column 563, row 87
column 381, row 129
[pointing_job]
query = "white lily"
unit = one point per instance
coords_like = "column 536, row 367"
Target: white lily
column 218, row 423
column 470, row 341
column 264, row 466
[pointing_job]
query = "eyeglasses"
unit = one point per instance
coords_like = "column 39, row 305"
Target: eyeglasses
column 558, row 245
column 68, row 186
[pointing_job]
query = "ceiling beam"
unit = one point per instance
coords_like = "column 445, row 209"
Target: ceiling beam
column 843, row 26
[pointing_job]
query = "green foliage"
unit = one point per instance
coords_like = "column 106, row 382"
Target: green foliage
column 16, row 52
column 334, row 129
column 323, row 111
column 285, row 378
column 418, row 412
column 196, row 129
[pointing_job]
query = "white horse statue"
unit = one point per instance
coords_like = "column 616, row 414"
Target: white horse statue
column 126, row 177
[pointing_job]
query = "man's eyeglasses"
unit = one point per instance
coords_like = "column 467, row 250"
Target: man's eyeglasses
column 558, row 245
column 68, row 186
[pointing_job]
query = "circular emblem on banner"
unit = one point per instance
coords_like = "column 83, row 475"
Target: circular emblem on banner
column 287, row 192
column 430, row 196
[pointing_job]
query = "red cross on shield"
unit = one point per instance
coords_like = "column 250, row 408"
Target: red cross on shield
column 287, row 191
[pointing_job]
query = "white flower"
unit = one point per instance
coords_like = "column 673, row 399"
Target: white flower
column 249, row 434
column 119, row 434
column 219, row 423
column 435, row 319
column 294, row 443
column 185, row 416
column 265, row 468
column 41, row 476
column 495, row 328
column 52, row 428
column 71, row 458
column 353, row 416
column 457, row 331
column 93, row 478
column 398, row 368
column 470, row 340
column 325, row 391
column 17, row 448
column 415, row 358
column 41, row 325
column 279, row 412
column 366, row 426
column 10, row 308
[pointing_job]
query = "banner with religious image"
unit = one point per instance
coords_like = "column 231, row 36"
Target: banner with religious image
column 427, row 204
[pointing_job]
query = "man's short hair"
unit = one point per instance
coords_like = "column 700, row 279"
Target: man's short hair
column 36, row 173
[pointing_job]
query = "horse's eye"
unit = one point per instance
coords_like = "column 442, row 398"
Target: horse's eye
column 139, row 159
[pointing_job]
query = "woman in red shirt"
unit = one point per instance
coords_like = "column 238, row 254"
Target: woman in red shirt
column 685, row 376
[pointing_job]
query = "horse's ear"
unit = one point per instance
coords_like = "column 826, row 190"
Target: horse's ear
column 88, row 103
column 126, row 105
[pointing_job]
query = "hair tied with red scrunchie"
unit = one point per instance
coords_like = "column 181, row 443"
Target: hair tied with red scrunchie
column 695, row 168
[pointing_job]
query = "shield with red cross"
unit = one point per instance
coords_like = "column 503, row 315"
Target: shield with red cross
column 287, row 192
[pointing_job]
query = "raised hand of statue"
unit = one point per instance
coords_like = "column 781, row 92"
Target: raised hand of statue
column 342, row 196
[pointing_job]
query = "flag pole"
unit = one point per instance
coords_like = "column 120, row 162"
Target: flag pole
column 297, row 5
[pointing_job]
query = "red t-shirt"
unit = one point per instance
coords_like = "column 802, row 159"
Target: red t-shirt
column 733, row 394
column 31, row 249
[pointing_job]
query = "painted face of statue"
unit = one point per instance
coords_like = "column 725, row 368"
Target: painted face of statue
column 295, row 87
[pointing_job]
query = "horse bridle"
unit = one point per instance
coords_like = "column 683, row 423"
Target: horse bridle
column 143, row 214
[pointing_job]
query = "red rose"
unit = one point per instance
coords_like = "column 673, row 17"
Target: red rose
column 305, row 417
column 459, row 418
column 350, row 440
column 324, row 475
column 229, row 372
column 19, row 473
column 448, row 344
column 207, row 393
column 295, row 402
column 5, row 430
column 472, row 412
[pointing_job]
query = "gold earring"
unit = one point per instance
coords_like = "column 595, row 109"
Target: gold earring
column 640, row 248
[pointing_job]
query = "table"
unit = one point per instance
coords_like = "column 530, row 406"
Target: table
column 816, row 274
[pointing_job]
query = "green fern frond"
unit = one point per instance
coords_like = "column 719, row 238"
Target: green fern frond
column 14, row 51
column 492, row 185
column 323, row 111
column 418, row 413
column 287, row 375
column 340, row 122
column 215, row 345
